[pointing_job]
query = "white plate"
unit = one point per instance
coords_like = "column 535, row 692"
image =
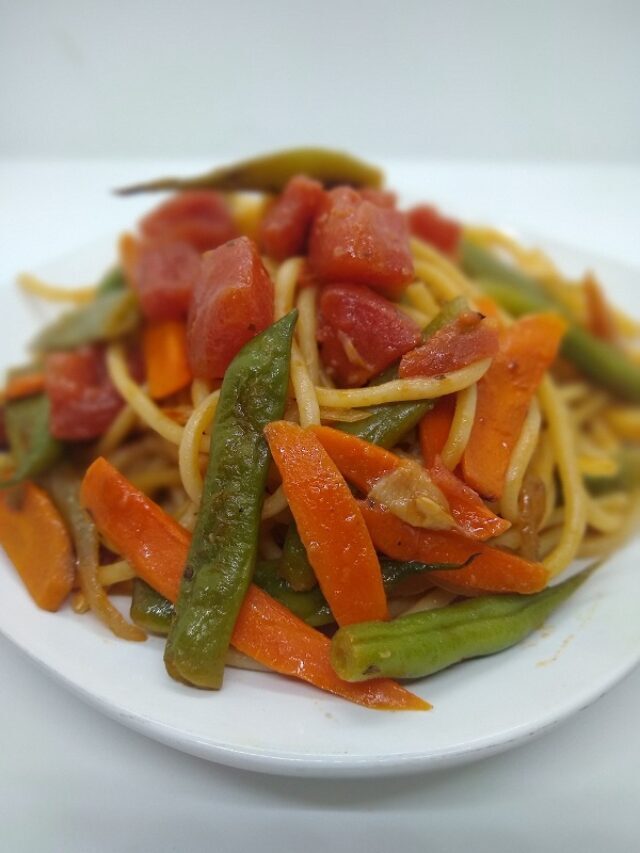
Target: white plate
column 274, row 725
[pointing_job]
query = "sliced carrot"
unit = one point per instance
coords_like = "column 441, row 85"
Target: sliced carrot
column 359, row 461
column 330, row 525
column 157, row 548
column 435, row 427
column 469, row 338
column 527, row 350
column 24, row 385
column 37, row 542
column 154, row 544
column 470, row 512
column 492, row 570
column 164, row 346
column 269, row 633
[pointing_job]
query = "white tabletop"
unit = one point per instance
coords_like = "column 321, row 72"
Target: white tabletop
column 73, row 781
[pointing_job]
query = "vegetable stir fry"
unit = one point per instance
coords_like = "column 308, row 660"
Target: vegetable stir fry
column 307, row 430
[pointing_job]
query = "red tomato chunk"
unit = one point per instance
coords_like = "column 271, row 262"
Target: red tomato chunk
column 200, row 218
column 361, row 333
column 164, row 277
column 232, row 302
column 355, row 240
column 429, row 225
column 83, row 399
column 285, row 227
column 470, row 338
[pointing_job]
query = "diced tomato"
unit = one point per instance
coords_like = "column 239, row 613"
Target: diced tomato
column 361, row 333
column 164, row 276
column 232, row 302
column 355, row 240
column 383, row 198
column 83, row 399
column 285, row 227
column 429, row 225
column 470, row 338
column 200, row 218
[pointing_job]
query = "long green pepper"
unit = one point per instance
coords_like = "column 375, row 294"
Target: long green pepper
column 223, row 550
column 423, row 643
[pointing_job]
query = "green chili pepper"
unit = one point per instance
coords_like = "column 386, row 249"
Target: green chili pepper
column 520, row 294
column 271, row 172
column 109, row 316
column 294, row 565
column 223, row 550
column 423, row 643
column 33, row 448
column 112, row 281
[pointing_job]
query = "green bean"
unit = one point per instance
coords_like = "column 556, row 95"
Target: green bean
column 449, row 312
column 423, row 643
column 294, row 565
column 626, row 478
column 110, row 315
column 388, row 423
column 149, row 610
column 113, row 280
column 519, row 294
column 154, row 613
column 33, row 448
column 271, row 172
column 223, row 550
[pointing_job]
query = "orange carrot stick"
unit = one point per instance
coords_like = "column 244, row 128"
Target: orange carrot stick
column 359, row 461
column 491, row 571
column 527, row 349
column 154, row 544
column 435, row 427
column 269, row 633
column 470, row 512
column 164, row 346
column 157, row 547
column 330, row 525
column 37, row 542
column 24, row 385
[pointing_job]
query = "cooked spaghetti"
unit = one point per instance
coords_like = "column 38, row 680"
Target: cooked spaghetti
column 444, row 385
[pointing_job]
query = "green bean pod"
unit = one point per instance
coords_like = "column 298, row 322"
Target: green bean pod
column 110, row 315
column 449, row 312
column 149, row 610
column 294, row 564
column 154, row 613
column 33, row 448
column 224, row 546
column 423, row 643
column 112, row 281
column 520, row 294
column 271, row 172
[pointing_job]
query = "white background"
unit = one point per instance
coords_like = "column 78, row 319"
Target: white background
column 490, row 83
column 515, row 79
